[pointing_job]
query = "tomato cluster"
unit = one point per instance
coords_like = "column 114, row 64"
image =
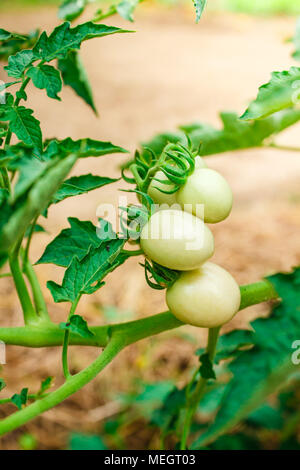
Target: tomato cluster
column 178, row 238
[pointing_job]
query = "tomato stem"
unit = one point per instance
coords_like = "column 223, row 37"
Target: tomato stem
column 195, row 397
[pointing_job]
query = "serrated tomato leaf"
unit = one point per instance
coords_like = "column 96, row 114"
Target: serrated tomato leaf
column 85, row 276
column 83, row 148
column 78, row 326
column 77, row 185
column 18, row 63
column 46, row 77
column 234, row 134
column 74, row 75
column 64, row 38
column 281, row 92
column 72, row 242
column 267, row 365
column 22, row 123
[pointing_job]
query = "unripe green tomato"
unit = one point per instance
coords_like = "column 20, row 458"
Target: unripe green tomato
column 199, row 163
column 157, row 196
column 177, row 240
column 206, row 297
column 208, row 187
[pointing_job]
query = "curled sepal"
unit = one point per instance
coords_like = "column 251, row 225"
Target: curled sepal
column 158, row 277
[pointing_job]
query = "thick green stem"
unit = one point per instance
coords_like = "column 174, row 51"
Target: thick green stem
column 73, row 384
column 29, row 313
column 198, row 392
column 257, row 292
column 66, row 340
column 48, row 334
column 38, row 297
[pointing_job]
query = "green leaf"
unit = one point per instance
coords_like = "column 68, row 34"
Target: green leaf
column 74, row 75
column 237, row 134
column 80, row 185
column 64, row 38
column 6, row 35
column 85, row 276
column 46, row 77
column 267, row 366
column 16, row 216
column 199, row 7
column 18, row 63
column 23, row 124
column 15, row 43
column 30, row 168
column 206, row 369
column 234, row 134
column 86, row 442
column 281, row 92
column 2, row 384
column 71, row 9
column 126, row 9
column 78, row 326
column 20, row 399
column 83, row 148
column 71, row 242
column 45, row 385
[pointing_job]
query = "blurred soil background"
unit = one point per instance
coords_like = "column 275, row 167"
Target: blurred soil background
column 170, row 72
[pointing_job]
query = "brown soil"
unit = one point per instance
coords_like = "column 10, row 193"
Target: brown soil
column 171, row 72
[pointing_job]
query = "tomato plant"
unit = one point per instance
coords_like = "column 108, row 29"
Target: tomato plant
column 176, row 244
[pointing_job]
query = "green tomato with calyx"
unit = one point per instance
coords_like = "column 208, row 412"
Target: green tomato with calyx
column 207, row 297
column 177, row 240
column 207, row 195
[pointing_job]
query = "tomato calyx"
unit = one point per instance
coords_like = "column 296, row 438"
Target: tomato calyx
column 176, row 161
column 158, row 277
